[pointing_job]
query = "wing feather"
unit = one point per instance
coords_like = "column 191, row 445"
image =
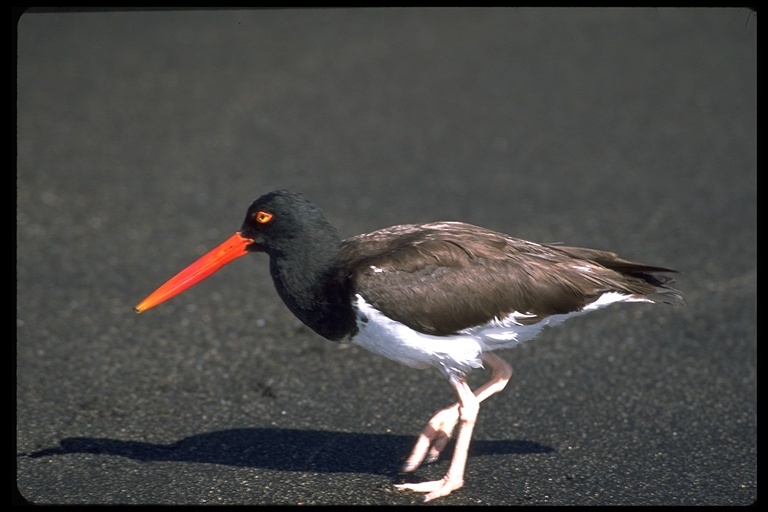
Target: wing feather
column 441, row 278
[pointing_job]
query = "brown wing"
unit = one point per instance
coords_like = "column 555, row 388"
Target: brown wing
column 444, row 277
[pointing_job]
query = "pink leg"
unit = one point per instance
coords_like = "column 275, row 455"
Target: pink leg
column 438, row 431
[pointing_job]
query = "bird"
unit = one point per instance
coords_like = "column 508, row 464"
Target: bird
column 445, row 295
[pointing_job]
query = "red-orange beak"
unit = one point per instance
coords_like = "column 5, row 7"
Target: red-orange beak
column 230, row 250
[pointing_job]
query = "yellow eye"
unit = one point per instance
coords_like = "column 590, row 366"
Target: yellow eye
column 262, row 217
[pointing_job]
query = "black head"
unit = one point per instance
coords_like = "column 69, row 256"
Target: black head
column 282, row 221
column 283, row 224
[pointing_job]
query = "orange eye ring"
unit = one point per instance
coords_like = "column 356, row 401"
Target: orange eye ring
column 262, row 217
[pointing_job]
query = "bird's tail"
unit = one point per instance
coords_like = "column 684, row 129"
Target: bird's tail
column 647, row 282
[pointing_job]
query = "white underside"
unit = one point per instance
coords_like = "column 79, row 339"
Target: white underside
column 460, row 352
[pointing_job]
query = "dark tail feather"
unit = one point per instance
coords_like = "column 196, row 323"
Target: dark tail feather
column 661, row 291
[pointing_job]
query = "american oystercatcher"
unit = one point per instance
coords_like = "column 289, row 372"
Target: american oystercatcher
column 444, row 295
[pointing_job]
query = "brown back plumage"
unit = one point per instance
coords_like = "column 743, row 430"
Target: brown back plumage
column 461, row 276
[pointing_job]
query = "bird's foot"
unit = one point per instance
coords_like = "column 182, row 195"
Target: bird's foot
column 435, row 489
column 433, row 438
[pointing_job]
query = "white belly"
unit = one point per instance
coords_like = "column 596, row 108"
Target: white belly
column 460, row 352
column 395, row 341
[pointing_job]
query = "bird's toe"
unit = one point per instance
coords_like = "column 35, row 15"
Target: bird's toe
column 434, row 489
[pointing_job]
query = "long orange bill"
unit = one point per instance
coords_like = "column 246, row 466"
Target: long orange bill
column 230, row 250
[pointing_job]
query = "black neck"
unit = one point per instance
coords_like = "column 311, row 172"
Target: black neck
column 307, row 280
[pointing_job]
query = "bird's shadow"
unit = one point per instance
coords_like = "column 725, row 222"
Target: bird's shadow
column 280, row 449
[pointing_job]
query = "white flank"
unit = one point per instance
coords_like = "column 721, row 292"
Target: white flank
column 384, row 336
